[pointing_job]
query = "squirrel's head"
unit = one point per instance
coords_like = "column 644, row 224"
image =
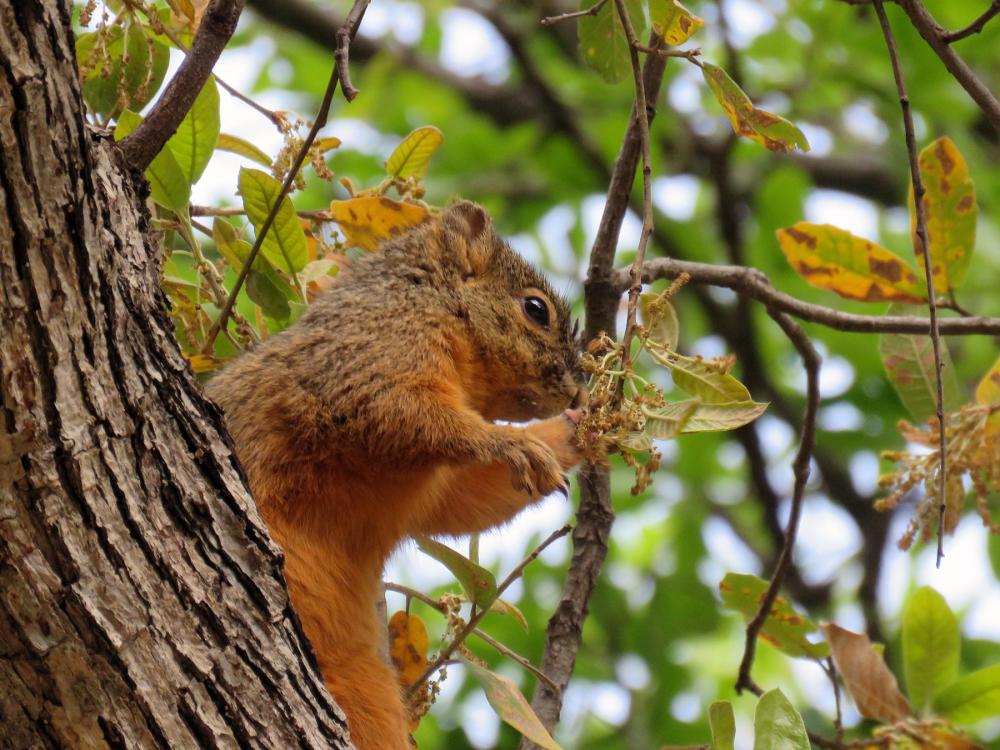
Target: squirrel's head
column 520, row 330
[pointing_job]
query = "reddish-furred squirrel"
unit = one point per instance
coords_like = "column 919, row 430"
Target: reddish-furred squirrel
column 372, row 419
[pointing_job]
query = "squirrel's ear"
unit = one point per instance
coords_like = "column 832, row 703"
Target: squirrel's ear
column 472, row 236
column 468, row 219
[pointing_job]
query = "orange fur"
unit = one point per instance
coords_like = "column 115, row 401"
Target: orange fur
column 370, row 421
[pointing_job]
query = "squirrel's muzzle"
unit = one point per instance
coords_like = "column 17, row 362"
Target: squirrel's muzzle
column 577, row 392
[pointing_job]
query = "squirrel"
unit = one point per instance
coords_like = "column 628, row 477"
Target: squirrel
column 371, row 420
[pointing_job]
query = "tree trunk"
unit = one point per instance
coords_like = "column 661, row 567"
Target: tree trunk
column 141, row 601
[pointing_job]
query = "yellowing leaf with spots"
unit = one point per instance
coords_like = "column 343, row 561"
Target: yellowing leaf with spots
column 988, row 394
column 369, row 220
column 950, row 206
column 784, row 628
column 673, row 21
column 408, row 643
column 511, row 706
column 988, row 390
column 771, row 131
column 412, row 157
column 855, row 268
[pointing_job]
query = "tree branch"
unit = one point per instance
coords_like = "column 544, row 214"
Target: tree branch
column 217, row 26
column 754, row 284
column 937, row 38
column 811, row 361
column 635, row 272
column 923, row 252
column 975, row 27
column 595, row 515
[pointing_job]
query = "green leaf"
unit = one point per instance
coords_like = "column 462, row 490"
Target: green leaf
column 144, row 73
column 503, row 607
column 908, row 360
column 479, row 584
column 285, row 243
column 931, row 643
column 971, row 698
column 265, row 292
column 673, row 21
column 636, row 442
column 720, row 417
column 722, row 722
column 317, row 269
column 603, row 43
column 951, row 211
column 993, row 546
column 264, row 286
column 771, row 131
column 665, row 422
column 196, row 136
column 412, row 157
column 167, row 183
column 777, row 725
column 784, row 628
column 705, row 382
column 829, row 257
column 660, row 319
column 511, row 706
column 236, row 145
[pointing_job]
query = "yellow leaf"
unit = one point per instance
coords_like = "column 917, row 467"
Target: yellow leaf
column 988, row 390
column 408, row 644
column 855, row 268
column 368, row 221
column 326, row 144
column 673, row 21
column 201, row 363
column 950, row 208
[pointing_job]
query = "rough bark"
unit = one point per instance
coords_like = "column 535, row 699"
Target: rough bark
column 141, row 602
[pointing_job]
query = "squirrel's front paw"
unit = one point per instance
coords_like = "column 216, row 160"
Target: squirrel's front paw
column 534, row 467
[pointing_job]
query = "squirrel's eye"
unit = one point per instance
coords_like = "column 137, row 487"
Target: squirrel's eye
column 536, row 310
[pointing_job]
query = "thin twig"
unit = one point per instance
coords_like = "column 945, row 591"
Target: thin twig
column 149, row 137
column 923, row 250
column 591, row 11
column 935, row 36
column 975, row 27
column 800, row 466
column 319, row 214
column 691, row 55
column 838, row 722
column 753, row 283
column 337, row 75
column 635, row 273
column 475, row 620
column 169, row 34
column 411, row 593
